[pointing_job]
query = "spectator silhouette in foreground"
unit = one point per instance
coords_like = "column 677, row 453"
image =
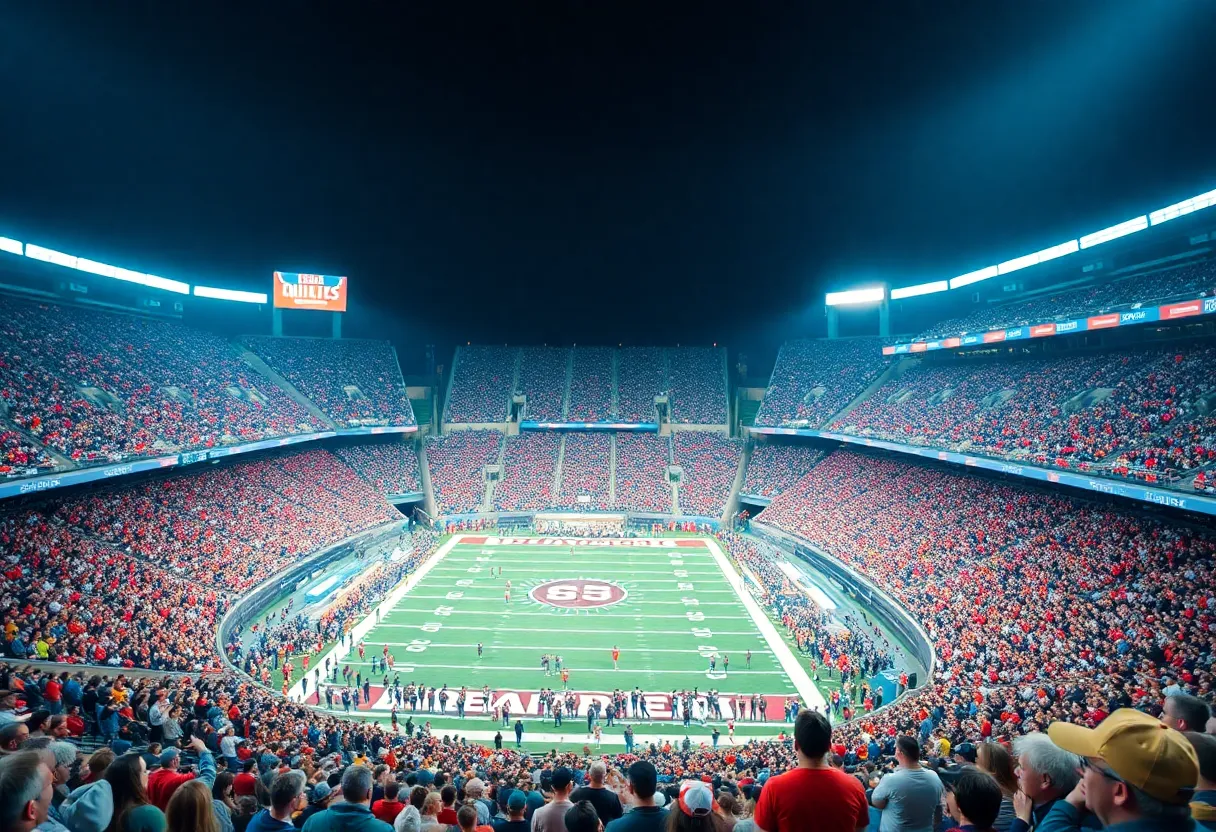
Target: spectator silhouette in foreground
column 973, row 801
column 1137, row 774
column 910, row 795
column 644, row 815
column 813, row 795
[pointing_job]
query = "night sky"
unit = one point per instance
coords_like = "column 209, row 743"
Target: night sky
column 595, row 172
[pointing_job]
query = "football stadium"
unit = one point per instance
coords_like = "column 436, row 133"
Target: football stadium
column 284, row 549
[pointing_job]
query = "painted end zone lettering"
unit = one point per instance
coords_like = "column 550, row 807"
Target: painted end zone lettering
column 642, row 543
column 527, row 703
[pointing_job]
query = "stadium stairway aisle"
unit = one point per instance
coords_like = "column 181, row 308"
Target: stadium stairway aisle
column 251, row 358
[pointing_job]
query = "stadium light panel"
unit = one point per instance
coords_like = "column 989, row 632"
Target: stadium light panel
column 11, row 246
column 229, row 294
column 1178, row 209
column 49, row 255
column 973, row 277
column 1038, row 257
column 872, row 294
column 1114, row 232
column 920, row 289
column 105, row 270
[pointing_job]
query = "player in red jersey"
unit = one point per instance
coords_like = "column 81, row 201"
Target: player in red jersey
column 616, row 655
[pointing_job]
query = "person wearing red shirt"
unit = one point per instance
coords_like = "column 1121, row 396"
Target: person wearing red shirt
column 447, row 815
column 389, row 806
column 163, row 782
column 814, row 793
column 245, row 782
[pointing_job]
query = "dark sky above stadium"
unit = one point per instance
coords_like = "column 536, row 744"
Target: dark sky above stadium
column 595, row 172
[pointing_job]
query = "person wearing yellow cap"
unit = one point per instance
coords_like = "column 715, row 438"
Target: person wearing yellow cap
column 1138, row 775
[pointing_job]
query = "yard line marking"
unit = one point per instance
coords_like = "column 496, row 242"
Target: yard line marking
column 591, row 617
column 558, row 649
column 447, row 627
column 573, row 669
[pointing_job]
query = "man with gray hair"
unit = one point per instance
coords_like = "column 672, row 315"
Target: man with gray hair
column 607, row 804
column 286, row 789
column 354, row 814
column 25, row 791
column 1046, row 773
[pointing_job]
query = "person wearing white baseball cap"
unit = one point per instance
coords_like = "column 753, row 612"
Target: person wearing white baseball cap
column 695, row 806
column 1138, row 775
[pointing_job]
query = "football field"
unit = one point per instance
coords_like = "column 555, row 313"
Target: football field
column 671, row 606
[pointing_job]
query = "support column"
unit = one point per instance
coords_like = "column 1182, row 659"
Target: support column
column 884, row 318
column 276, row 322
column 337, row 325
column 833, row 322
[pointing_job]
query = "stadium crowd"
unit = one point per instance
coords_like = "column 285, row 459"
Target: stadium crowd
column 641, row 472
column 390, row 467
column 773, row 467
column 586, row 470
column 354, row 382
column 456, row 461
column 710, row 461
column 1144, row 411
column 99, row 387
column 481, row 384
column 1183, row 282
column 529, row 466
column 1039, row 607
column 19, row 457
column 814, row 380
column 591, row 385
column 641, row 375
column 542, row 378
column 698, row 385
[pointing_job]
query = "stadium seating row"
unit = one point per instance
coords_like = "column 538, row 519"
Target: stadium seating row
column 813, row 380
column 710, row 462
column 1187, row 281
column 390, row 467
column 485, row 377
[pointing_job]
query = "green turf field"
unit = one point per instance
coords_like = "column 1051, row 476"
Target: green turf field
column 668, row 605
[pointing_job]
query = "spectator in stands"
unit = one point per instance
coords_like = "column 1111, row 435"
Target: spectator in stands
column 607, row 804
column 644, row 814
column 163, row 782
column 133, row 811
column 191, row 809
column 814, row 792
column 388, row 807
column 550, row 818
column 1046, row 774
column 993, row 759
column 1203, row 804
column 286, row 796
column 1184, row 712
column 25, row 791
column 517, row 804
column 354, row 813
column 909, row 796
column 1138, row 774
column 973, row 801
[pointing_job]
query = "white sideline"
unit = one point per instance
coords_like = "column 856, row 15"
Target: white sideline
column 789, row 662
column 296, row 691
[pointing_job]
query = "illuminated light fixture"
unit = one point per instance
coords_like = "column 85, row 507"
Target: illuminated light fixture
column 1178, row 209
column 49, row 255
column 11, row 246
column 920, row 289
column 230, row 294
column 1038, row 257
column 873, row 294
column 105, row 270
column 973, row 277
column 1114, row 232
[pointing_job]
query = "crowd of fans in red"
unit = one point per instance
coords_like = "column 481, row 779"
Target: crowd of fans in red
column 774, row 467
column 481, row 382
column 1039, row 607
column 1142, row 412
column 591, row 385
column 542, row 378
column 456, row 462
column 813, row 380
column 354, row 382
column 641, row 374
column 97, row 387
column 528, row 469
column 586, row 469
column 641, row 465
column 1182, row 282
column 710, row 461
column 698, row 385
column 390, row 467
